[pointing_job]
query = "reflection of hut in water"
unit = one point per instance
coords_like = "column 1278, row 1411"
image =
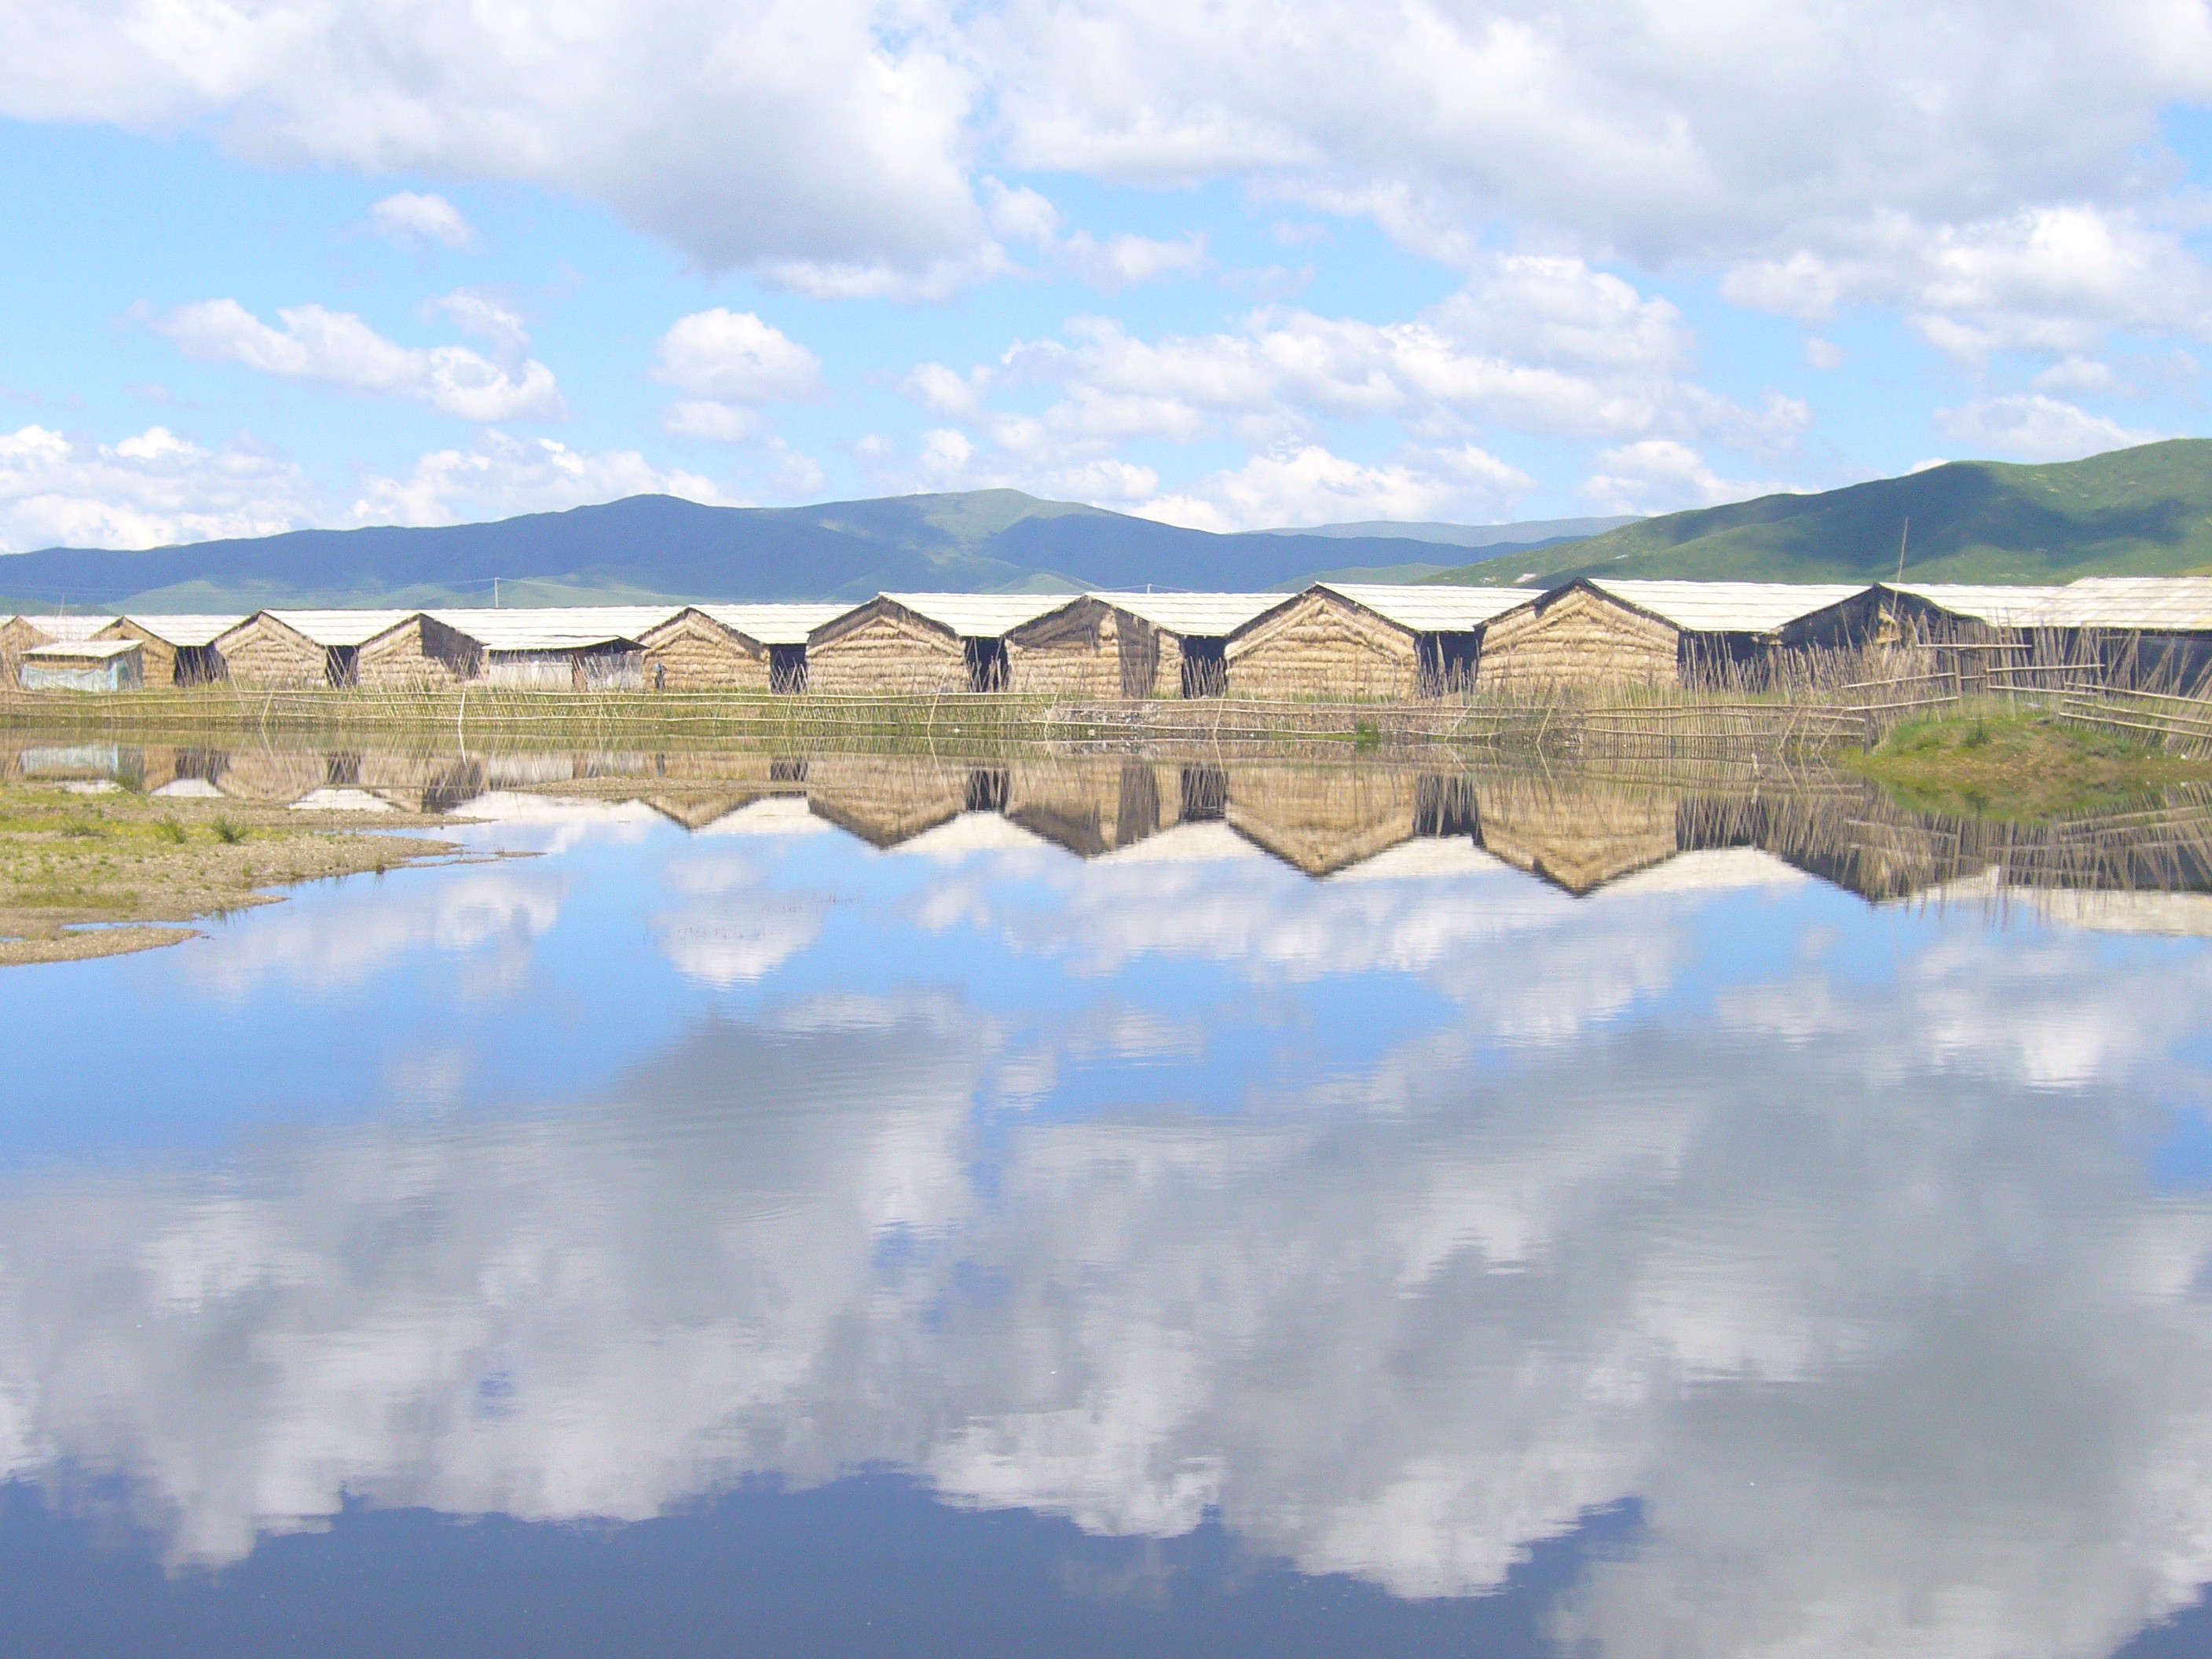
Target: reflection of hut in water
column 1594, row 632
column 1340, row 640
column 907, row 643
column 887, row 800
column 82, row 665
column 1176, row 645
column 20, row 633
column 177, row 650
column 2153, row 631
column 1090, row 806
column 752, row 647
column 301, row 648
column 1579, row 833
column 1321, row 818
column 272, row 777
column 560, row 648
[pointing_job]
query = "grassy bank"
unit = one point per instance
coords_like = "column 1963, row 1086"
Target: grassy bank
column 96, row 874
column 2017, row 764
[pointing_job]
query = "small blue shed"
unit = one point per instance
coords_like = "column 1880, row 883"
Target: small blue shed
column 84, row 665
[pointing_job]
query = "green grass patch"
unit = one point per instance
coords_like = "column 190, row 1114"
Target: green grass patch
column 2014, row 765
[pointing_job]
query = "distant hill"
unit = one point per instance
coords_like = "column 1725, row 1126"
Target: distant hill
column 2144, row 512
column 656, row 547
column 1529, row 532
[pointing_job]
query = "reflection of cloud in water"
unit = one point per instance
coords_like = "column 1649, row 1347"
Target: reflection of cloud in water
column 553, row 823
column 1400, row 1330
column 365, row 925
column 778, row 815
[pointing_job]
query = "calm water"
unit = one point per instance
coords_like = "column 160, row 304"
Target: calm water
column 903, row 1208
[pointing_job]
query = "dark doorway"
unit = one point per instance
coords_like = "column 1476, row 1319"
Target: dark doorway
column 1205, row 668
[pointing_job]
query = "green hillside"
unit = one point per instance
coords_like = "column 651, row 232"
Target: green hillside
column 2144, row 512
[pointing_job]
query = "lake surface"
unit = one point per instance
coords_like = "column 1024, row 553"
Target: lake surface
column 864, row 1206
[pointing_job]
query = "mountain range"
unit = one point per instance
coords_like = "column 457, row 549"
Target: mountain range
column 651, row 548
column 2144, row 512
column 2141, row 511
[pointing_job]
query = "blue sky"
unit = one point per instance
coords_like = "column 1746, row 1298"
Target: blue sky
column 1242, row 266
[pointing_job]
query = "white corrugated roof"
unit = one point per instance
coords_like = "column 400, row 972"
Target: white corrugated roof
column 1729, row 607
column 774, row 624
column 1196, row 616
column 556, row 628
column 1438, row 610
column 2007, row 607
column 185, row 629
column 340, row 627
column 2176, row 605
column 77, row 650
column 59, row 628
column 981, row 615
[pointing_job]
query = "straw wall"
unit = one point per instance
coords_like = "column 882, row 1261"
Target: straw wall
column 1321, row 646
column 691, row 652
column 17, row 636
column 1075, row 652
column 882, row 648
column 158, row 655
column 262, row 652
column 421, row 652
column 1579, row 637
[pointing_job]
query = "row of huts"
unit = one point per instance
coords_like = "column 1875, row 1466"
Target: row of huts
column 1335, row 640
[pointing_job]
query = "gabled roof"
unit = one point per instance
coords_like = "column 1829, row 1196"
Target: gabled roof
column 184, row 630
column 1439, row 610
column 556, row 628
column 980, row 615
column 2004, row 607
column 774, row 624
column 1728, row 607
column 328, row 628
column 59, row 628
column 2157, row 605
column 1195, row 615
column 78, row 650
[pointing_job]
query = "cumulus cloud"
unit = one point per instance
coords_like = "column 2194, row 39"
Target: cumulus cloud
column 412, row 219
column 501, row 475
column 731, row 361
column 336, row 349
column 1120, row 262
column 2036, row 428
column 1308, row 485
column 147, row 490
column 1659, row 475
column 1535, row 343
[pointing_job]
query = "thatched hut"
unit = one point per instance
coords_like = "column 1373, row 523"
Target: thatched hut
column 922, row 643
column 754, row 647
column 301, row 648
column 179, row 650
column 1176, row 645
column 2150, row 631
column 560, row 648
column 20, row 633
column 83, row 665
column 419, row 652
column 1594, row 632
column 1345, row 639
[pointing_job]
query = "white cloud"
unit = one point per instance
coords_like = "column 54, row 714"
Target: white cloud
column 1121, row 262
column 338, row 349
column 735, row 356
column 147, row 490
column 1822, row 353
column 503, row 474
column 2051, row 280
column 2036, row 428
column 1308, row 485
column 1659, row 475
column 702, row 418
column 412, row 219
